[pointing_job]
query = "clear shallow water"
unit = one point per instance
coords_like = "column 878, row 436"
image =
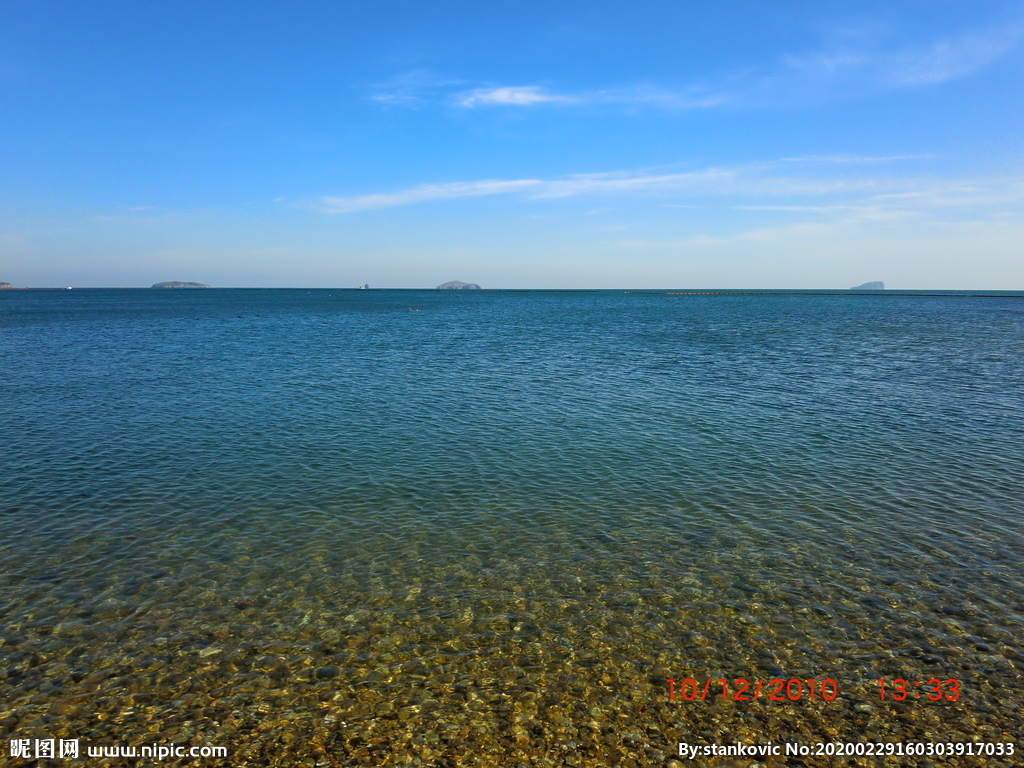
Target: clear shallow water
column 319, row 528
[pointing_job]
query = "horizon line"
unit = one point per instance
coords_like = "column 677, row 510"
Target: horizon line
column 678, row 291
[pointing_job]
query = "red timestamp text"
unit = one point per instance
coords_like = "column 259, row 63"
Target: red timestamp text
column 742, row 689
column 933, row 689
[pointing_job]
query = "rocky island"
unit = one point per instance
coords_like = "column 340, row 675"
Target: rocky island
column 458, row 285
column 875, row 286
column 5, row 285
column 179, row 284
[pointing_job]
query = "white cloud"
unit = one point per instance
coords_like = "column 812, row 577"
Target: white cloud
column 855, row 61
column 691, row 97
column 712, row 181
column 868, row 66
column 949, row 60
column 596, row 183
column 520, row 96
column 530, row 95
column 412, row 89
column 830, row 235
column 759, row 186
column 851, row 159
column 424, row 193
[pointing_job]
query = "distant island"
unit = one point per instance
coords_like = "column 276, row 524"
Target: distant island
column 5, row 285
column 878, row 285
column 458, row 285
column 179, row 284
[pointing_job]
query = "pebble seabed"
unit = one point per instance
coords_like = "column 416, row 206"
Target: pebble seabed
column 555, row 655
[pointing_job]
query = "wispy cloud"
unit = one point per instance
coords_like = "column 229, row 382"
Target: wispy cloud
column 412, row 89
column 520, row 96
column 554, row 188
column 869, row 64
column 425, row 193
column 852, row 158
column 949, row 60
column 759, row 186
column 144, row 215
column 531, row 95
column 749, row 180
column 852, row 61
column 997, row 197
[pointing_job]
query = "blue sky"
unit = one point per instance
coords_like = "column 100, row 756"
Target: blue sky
column 517, row 145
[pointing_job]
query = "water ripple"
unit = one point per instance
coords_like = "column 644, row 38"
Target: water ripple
column 291, row 521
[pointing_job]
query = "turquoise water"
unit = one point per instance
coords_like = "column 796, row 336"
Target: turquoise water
column 431, row 528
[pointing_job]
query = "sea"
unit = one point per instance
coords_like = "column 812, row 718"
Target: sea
column 512, row 528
